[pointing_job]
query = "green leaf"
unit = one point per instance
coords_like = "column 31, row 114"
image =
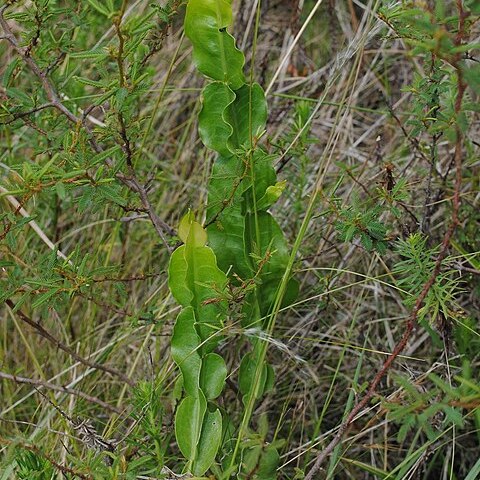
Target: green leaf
column 97, row 54
column 261, row 462
column 273, row 247
column 225, row 210
column 112, row 193
column 269, row 461
column 9, row 70
column 213, row 129
column 453, row 415
column 45, row 297
column 185, row 343
column 100, row 157
column 177, row 274
column 191, row 231
column 247, row 115
column 270, row 380
column 250, row 459
column 99, row 7
column 272, row 194
column 262, row 178
column 91, row 83
column 188, row 425
column 209, row 443
column 196, row 280
column 214, row 50
column 213, row 375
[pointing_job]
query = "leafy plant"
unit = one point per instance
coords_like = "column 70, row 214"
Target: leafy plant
column 196, row 282
column 31, row 466
column 246, row 240
column 364, row 225
column 413, row 271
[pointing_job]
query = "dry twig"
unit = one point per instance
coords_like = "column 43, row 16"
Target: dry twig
column 59, row 388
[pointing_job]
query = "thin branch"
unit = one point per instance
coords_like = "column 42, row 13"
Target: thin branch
column 60, row 388
column 85, row 429
column 47, row 335
column 19, row 115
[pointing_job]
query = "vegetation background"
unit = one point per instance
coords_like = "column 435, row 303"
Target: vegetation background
column 373, row 114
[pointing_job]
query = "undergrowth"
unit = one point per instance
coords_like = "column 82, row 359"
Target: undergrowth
column 239, row 239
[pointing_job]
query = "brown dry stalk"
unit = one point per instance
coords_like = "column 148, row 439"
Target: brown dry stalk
column 59, row 388
column 412, row 319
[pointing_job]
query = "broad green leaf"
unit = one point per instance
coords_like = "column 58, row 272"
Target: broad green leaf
column 212, row 127
column 196, row 280
column 185, row 343
column 269, row 461
column 177, row 274
column 213, row 375
column 191, row 231
column 250, row 460
column 188, row 424
column 263, row 177
column 247, row 115
column 229, row 199
column 207, row 282
column 270, row 381
column 225, row 213
column 226, row 236
column 228, row 181
column 214, row 50
column 260, row 462
column 209, row 443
